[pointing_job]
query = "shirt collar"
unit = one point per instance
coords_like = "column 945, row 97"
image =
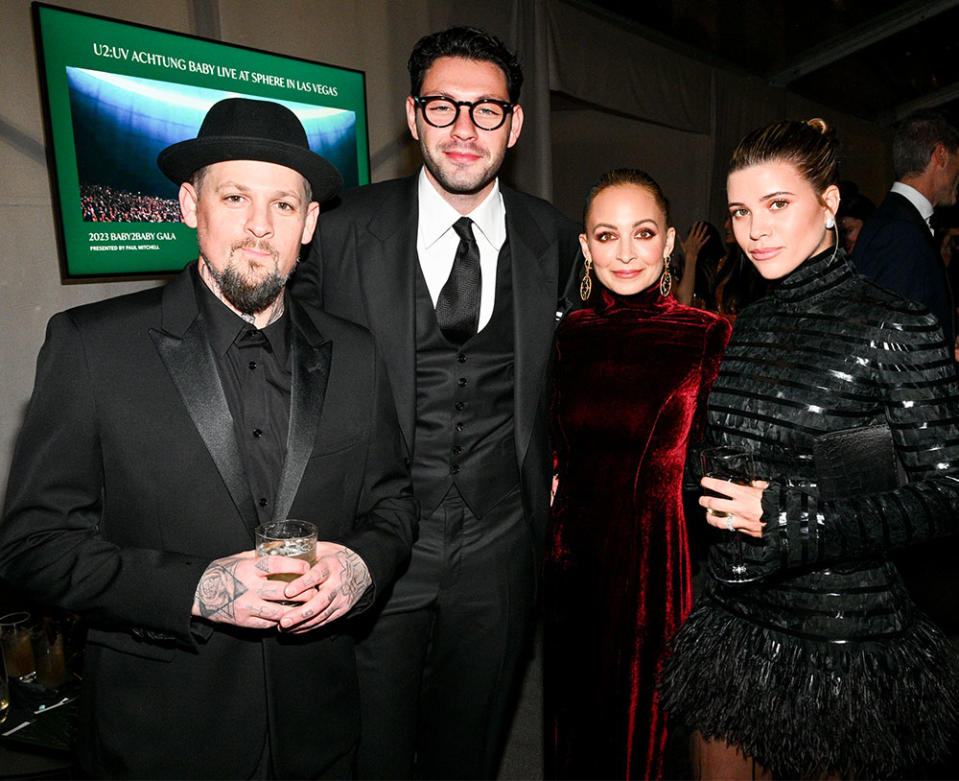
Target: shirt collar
column 224, row 326
column 921, row 202
column 436, row 216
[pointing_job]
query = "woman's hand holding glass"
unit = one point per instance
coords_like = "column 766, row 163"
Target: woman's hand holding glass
column 739, row 508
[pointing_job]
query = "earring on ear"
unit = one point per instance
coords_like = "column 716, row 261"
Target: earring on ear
column 666, row 280
column 830, row 223
column 586, row 286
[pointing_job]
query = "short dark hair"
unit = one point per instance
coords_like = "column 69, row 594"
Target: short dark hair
column 618, row 177
column 915, row 139
column 468, row 43
column 810, row 146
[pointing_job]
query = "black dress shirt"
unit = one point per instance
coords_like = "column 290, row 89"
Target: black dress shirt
column 254, row 367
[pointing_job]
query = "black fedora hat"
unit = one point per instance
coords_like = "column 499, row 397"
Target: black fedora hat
column 243, row 129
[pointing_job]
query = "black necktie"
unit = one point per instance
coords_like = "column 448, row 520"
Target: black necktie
column 457, row 308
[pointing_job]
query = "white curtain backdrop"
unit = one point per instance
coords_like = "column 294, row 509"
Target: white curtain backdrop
column 599, row 93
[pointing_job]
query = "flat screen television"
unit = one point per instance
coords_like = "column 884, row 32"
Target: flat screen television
column 115, row 94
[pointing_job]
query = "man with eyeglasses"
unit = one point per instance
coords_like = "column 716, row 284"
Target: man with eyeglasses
column 460, row 279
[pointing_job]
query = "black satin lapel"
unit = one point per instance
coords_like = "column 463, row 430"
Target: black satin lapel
column 190, row 364
column 311, row 371
column 534, row 318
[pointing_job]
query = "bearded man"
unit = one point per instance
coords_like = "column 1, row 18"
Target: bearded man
column 164, row 427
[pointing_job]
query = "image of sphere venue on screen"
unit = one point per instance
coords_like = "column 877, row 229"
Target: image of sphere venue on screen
column 120, row 124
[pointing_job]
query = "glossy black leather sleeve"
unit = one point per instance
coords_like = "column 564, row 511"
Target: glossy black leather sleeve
column 917, row 389
column 832, row 352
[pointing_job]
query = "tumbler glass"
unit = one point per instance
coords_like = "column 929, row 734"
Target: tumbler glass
column 15, row 633
column 293, row 538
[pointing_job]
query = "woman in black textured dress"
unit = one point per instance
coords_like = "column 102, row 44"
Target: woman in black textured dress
column 820, row 665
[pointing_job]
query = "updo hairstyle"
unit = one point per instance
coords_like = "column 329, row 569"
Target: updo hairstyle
column 811, row 146
column 623, row 176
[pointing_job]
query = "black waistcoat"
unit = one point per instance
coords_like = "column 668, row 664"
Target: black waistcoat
column 464, row 405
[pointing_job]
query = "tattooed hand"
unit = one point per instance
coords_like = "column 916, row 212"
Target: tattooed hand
column 235, row 590
column 340, row 578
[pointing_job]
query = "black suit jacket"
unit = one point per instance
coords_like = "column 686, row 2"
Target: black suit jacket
column 362, row 266
column 896, row 250
column 127, row 481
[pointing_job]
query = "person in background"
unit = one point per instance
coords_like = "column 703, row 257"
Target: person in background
column 724, row 283
column 806, row 657
column 164, row 427
column 632, row 373
column 462, row 280
column 896, row 247
column 704, row 253
column 854, row 210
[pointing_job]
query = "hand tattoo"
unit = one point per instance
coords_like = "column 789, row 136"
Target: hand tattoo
column 356, row 576
column 218, row 590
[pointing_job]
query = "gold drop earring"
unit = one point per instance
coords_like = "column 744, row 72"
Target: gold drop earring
column 586, row 286
column 666, row 280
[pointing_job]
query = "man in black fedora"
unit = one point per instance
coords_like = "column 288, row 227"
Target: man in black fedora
column 163, row 427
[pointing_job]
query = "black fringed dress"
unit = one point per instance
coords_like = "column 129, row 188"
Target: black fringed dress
column 824, row 665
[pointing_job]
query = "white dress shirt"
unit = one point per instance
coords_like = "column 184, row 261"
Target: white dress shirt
column 436, row 241
column 917, row 199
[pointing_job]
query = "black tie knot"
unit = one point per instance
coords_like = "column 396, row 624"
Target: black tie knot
column 464, row 229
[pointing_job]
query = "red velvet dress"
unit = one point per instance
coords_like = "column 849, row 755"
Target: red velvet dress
column 630, row 384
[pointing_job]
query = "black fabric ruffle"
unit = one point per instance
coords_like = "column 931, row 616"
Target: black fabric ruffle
column 807, row 708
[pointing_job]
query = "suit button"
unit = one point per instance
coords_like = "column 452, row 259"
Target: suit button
column 257, row 432
column 457, row 449
column 460, row 426
column 460, row 406
column 262, row 502
column 462, row 382
column 454, row 469
column 461, row 357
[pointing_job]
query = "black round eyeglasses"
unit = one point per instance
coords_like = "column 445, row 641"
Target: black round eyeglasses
column 486, row 114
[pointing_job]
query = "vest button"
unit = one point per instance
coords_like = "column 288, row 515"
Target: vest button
column 460, row 426
column 462, row 382
column 457, row 449
column 461, row 357
column 454, row 469
column 460, row 406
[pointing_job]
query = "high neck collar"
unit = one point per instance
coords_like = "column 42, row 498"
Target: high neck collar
column 814, row 275
column 647, row 300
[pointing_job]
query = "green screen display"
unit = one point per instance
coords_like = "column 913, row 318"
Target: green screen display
column 117, row 93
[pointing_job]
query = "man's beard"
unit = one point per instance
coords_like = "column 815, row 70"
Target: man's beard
column 247, row 297
column 450, row 185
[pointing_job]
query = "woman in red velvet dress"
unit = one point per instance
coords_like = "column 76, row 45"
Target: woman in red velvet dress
column 632, row 373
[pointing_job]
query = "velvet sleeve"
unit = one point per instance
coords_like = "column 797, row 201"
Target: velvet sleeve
column 717, row 336
column 715, row 345
column 919, row 398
